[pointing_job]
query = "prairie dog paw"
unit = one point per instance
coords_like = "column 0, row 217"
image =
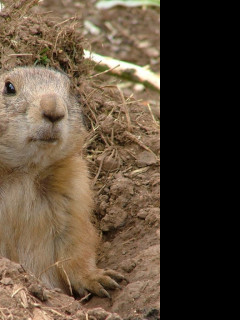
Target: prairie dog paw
column 102, row 280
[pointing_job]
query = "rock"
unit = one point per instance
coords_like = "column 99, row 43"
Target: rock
column 38, row 292
column 72, row 308
column 99, row 314
column 7, row 281
column 122, row 186
column 109, row 163
column 114, row 317
column 133, row 291
column 106, row 224
column 156, row 111
column 102, row 208
column 80, row 315
column 40, row 315
column 154, row 143
column 129, row 265
column 153, row 217
column 114, row 221
column 153, row 52
column 142, row 214
column 146, row 158
column 139, row 87
column 107, row 125
column 153, row 314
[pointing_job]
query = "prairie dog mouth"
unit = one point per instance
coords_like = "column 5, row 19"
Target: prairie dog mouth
column 49, row 136
column 44, row 140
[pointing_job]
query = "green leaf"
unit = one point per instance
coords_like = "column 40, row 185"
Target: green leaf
column 107, row 4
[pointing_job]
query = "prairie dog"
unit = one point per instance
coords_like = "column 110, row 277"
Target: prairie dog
column 45, row 196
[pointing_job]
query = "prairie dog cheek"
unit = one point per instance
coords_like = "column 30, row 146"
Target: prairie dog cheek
column 3, row 127
column 22, row 107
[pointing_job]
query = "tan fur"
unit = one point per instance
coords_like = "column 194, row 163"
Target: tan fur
column 45, row 198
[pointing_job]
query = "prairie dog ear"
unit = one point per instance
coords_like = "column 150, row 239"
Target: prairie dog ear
column 64, row 76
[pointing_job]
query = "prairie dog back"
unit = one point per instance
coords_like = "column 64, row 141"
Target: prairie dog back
column 45, row 196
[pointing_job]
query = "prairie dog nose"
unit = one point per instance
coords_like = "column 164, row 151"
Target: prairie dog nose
column 52, row 110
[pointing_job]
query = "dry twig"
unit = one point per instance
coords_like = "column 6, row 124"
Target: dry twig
column 125, row 70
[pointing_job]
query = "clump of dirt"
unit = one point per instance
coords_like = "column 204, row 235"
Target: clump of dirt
column 123, row 150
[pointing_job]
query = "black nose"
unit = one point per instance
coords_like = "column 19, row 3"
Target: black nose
column 52, row 116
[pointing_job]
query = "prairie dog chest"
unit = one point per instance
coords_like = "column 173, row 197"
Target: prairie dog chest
column 28, row 211
column 30, row 222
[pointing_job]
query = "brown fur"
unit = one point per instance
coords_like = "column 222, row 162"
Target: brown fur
column 45, row 198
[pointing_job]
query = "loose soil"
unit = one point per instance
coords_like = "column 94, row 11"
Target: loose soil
column 123, row 151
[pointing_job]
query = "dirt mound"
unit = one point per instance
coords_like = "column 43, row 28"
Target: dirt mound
column 22, row 297
column 31, row 39
column 123, row 149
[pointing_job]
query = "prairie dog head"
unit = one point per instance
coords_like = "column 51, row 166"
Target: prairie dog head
column 40, row 121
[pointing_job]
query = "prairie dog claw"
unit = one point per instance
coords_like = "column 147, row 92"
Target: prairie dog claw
column 103, row 280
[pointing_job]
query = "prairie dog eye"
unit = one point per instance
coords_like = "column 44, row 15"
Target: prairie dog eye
column 9, row 88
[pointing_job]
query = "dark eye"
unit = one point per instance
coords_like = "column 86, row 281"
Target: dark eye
column 9, row 88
